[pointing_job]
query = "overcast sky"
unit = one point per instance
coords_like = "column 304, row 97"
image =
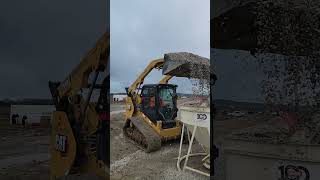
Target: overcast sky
column 43, row 40
column 143, row 30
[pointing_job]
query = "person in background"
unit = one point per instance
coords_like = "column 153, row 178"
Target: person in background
column 13, row 119
column 17, row 118
column 24, row 118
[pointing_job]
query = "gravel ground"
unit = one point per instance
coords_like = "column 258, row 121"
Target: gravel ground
column 224, row 125
column 130, row 162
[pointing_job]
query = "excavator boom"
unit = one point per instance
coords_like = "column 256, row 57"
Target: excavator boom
column 79, row 135
column 95, row 60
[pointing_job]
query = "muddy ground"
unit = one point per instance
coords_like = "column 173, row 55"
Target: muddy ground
column 130, row 162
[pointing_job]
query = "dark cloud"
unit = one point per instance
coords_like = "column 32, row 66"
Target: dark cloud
column 43, row 40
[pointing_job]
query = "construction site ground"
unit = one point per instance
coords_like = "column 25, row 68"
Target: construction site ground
column 24, row 155
column 225, row 124
column 130, row 162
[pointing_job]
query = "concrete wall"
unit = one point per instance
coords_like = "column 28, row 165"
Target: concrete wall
column 4, row 113
column 33, row 112
column 119, row 98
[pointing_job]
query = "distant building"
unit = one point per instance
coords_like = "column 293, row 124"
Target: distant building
column 118, row 97
column 38, row 112
column 35, row 114
column 4, row 112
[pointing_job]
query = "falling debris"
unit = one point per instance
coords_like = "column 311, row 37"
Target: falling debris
column 291, row 81
column 197, row 68
column 284, row 37
column 288, row 27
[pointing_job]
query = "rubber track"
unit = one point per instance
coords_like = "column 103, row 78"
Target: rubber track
column 147, row 138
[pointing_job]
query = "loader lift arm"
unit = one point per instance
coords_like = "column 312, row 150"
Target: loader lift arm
column 145, row 119
column 79, row 137
column 165, row 79
column 155, row 64
column 132, row 91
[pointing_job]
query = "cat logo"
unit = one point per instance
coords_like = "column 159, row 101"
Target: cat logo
column 61, row 143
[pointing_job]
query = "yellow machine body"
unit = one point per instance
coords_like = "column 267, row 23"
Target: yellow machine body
column 165, row 134
column 61, row 163
column 74, row 127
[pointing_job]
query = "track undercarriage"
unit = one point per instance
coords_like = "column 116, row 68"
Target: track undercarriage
column 142, row 134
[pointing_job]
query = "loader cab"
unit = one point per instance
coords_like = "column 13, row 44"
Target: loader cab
column 159, row 103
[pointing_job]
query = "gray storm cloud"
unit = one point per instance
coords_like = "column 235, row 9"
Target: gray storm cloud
column 45, row 40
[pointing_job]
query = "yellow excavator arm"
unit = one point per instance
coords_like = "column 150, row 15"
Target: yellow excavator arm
column 79, row 137
column 95, row 58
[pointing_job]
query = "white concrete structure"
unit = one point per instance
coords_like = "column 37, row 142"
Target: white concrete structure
column 119, row 97
column 32, row 112
column 197, row 122
column 256, row 160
